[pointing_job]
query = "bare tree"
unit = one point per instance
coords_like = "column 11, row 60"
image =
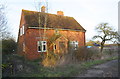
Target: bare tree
column 106, row 34
column 2, row 19
column 3, row 22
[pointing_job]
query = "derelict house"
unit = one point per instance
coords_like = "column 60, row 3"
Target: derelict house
column 41, row 32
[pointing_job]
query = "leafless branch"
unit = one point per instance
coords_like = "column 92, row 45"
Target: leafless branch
column 95, row 37
column 3, row 21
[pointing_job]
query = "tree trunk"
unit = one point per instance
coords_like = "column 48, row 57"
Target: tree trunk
column 102, row 46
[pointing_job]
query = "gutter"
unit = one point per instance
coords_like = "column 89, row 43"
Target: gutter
column 55, row 29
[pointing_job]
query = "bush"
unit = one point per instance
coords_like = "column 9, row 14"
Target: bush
column 9, row 46
column 73, row 56
column 84, row 54
column 50, row 60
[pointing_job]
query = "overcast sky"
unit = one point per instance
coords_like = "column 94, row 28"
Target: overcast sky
column 89, row 13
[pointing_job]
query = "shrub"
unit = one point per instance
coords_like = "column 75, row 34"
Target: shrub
column 50, row 60
column 9, row 46
column 73, row 56
column 84, row 54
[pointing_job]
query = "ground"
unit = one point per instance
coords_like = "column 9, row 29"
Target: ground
column 108, row 69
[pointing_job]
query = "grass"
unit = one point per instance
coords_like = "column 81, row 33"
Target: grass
column 64, row 71
column 96, row 62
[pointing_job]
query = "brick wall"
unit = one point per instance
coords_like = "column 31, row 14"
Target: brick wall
column 31, row 37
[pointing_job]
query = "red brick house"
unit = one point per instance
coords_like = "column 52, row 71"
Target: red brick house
column 41, row 32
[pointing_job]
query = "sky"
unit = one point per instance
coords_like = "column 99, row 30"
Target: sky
column 89, row 13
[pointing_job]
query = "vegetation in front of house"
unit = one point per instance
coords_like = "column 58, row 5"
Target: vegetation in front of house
column 67, row 66
column 9, row 46
column 60, row 71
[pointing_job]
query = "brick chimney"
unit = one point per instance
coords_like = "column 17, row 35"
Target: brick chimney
column 60, row 13
column 43, row 9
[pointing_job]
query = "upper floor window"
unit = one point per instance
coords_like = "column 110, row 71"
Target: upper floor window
column 22, row 30
column 42, row 46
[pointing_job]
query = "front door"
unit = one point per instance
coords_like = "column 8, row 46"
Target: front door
column 62, row 47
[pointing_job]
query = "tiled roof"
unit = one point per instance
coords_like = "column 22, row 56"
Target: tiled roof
column 52, row 20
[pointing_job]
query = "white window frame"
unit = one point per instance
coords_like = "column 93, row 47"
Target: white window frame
column 23, row 29
column 74, row 44
column 42, row 46
column 54, row 46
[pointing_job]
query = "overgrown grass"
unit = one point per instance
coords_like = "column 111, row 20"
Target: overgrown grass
column 64, row 71
column 86, row 58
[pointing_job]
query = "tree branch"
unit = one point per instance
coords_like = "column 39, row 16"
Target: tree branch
column 98, row 37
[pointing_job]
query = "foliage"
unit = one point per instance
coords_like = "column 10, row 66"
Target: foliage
column 84, row 54
column 50, row 60
column 79, row 55
column 52, row 39
column 106, row 34
column 9, row 46
column 11, row 63
column 68, row 70
column 50, row 69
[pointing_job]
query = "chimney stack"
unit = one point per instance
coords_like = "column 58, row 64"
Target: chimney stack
column 43, row 9
column 60, row 13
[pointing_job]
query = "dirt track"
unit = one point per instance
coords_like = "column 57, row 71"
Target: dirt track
column 109, row 69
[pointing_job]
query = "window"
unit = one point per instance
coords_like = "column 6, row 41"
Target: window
column 74, row 44
column 20, row 31
column 54, row 47
column 42, row 46
column 23, row 30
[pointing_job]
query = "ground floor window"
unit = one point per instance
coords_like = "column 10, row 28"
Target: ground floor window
column 42, row 46
column 54, row 46
column 74, row 44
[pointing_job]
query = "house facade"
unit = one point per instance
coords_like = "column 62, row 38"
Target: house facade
column 41, row 32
